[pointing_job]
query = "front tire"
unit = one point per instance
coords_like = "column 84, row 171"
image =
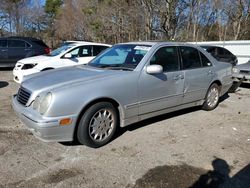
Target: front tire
column 97, row 125
column 212, row 98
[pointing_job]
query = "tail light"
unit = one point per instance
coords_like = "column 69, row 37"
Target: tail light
column 47, row 50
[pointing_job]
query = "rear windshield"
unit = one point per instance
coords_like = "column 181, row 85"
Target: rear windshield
column 39, row 42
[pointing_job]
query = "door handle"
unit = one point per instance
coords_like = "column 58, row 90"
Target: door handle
column 4, row 50
column 178, row 77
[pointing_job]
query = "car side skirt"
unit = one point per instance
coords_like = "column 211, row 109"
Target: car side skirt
column 126, row 122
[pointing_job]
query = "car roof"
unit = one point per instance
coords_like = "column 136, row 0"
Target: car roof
column 210, row 46
column 23, row 38
column 84, row 43
column 153, row 43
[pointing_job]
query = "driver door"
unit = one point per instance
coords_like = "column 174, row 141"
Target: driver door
column 165, row 90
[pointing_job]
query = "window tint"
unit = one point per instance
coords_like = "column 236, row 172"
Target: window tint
column 39, row 42
column 205, row 61
column 211, row 50
column 16, row 44
column 167, row 57
column 226, row 52
column 220, row 51
column 86, row 51
column 98, row 49
column 190, row 57
column 3, row 43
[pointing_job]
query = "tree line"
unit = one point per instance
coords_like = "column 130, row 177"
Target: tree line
column 114, row 21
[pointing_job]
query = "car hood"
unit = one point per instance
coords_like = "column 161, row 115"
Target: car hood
column 35, row 59
column 64, row 77
column 245, row 66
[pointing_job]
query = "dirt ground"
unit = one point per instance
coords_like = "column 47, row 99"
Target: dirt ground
column 188, row 148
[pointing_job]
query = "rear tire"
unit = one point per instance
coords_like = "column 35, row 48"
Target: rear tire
column 212, row 98
column 97, row 125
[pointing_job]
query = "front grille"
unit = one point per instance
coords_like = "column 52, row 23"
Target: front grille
column 23, row 96
column 245, row 72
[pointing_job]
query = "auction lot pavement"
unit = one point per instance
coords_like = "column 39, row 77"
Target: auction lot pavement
column 188, row 148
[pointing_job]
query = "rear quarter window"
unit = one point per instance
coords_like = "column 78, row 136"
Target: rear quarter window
column 40, row 43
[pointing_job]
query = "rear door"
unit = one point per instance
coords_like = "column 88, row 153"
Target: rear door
column 17, row 49
column 198, row 73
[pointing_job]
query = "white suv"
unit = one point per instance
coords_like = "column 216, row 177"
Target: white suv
column 69, row 54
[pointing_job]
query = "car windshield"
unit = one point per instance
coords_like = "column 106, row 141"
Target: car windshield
column 121, row 57
column 60, row 50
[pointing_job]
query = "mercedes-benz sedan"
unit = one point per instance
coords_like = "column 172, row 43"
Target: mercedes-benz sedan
column 126, row 84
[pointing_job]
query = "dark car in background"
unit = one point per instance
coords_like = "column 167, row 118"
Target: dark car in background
column 13, row 49
column 221, row 54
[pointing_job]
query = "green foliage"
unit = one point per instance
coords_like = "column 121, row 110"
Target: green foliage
column 52, row 7
column 89, row 10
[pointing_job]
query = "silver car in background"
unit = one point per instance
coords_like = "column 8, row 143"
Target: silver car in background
column 242, row 71
column 128, row 83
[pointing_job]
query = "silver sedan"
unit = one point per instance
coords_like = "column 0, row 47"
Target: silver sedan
column 127, row 83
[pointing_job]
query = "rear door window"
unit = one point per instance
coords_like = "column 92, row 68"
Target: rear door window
column 16, row 44
column 98, row 49
column 190, row 57
column 86, row 51
column 3, row 43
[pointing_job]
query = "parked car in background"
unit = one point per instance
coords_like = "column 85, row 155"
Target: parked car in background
column 242, row 71
column 221, row 54
column 13, row 49
column 127, row 83
column 69, row 54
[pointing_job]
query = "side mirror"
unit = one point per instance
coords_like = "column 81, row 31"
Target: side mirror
column 68, row 56
column 154, row 69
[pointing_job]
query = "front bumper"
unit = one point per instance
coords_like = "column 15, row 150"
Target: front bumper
column 20, row 74
column 45, row 129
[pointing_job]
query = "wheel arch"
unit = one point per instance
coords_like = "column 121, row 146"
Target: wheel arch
column 218, row 82
column 91, row 103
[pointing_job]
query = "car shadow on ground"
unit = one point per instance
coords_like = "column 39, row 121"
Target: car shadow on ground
column 245, row 85
column 3, row 84
column 6, row 68
column 193, row 177
column 120, row 131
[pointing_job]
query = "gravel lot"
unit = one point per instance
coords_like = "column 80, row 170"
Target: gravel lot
column 182, row 149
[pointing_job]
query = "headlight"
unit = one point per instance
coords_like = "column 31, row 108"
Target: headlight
column 42, row 103
column 28, row 66
column 235, row 70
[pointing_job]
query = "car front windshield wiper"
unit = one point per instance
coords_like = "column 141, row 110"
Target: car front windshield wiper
column 117, row 67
